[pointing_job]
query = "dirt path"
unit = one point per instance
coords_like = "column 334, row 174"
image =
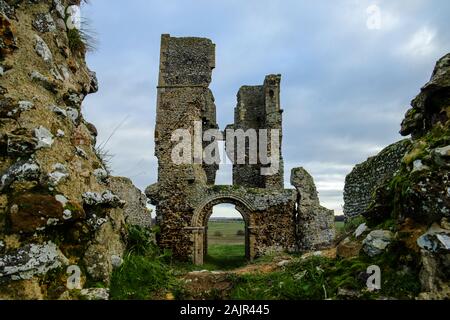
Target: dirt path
column 201, row 285
column 205, row 284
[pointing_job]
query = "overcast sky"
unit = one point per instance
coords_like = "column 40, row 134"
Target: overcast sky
column 348, row 78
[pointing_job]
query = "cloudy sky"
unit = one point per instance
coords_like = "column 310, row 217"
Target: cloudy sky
column 348, row 77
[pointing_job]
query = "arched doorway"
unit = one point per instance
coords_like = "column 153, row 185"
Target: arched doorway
column 199, row 225
column 225, row 238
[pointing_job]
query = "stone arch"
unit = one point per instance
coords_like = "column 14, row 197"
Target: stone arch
column 201, row 217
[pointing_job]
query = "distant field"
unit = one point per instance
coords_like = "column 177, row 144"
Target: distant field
column 228, row 230
column 340, row 226
column 228, row 250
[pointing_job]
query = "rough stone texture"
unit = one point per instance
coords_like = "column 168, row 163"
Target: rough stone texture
column 430, row 107
column 95, row 294
column 31, row 260
column 44, row 22
column 185, row 194
column 434, row 276
column 107, row 198
column 435, row 259
column 42, row 50
column 135, row 209
column 259, row 108
column 377, row 241
column 108, row 244
column 415, row 200
column 48, row 187
column 367, row 176
column 362, row 228
column 435, row 240
column 6, row 9
column 348, row 248
column 315, row 224
column 420, row 190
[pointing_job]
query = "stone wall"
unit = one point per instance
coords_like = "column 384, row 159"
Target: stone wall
column 315, row 224
column 361, row 183
column 135, row 209
column 184, row 97
column 258, row 108
column 56, row 207
column 416, row 200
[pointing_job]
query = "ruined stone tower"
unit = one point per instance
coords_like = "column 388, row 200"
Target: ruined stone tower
column 259, row 108
column 185, row 193
column 186, row 66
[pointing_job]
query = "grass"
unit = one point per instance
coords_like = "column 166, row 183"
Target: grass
column 140, row 278
column 226, row 249
column 320, row 278
column 228, row 231
column 148, row 273
column 81, row 40
column 145, row 273
column 340, row 225
column 225, row 257
column 76, row 41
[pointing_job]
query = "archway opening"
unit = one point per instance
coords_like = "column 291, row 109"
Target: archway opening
column 226, row 238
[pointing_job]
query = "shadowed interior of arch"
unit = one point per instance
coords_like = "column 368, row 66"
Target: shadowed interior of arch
column 226, row 238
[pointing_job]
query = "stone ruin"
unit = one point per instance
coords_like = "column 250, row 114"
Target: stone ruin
column 277, row 219
column 366, row 177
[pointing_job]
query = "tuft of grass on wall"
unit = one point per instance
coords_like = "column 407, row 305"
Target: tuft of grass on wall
column 76, row 42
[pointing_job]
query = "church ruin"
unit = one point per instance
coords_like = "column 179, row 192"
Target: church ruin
column 276, row 219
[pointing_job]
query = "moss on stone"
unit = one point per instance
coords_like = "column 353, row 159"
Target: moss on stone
column 54, row 283
column 418, row 152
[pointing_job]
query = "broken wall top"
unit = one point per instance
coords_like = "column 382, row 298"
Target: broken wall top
column 186, row 61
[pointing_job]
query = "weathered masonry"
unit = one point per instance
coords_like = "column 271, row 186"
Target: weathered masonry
column 362, row 182
column 185, row 194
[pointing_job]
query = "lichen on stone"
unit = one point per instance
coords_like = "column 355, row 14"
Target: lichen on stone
column 30, row 261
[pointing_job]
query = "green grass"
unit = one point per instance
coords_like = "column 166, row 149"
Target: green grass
column 340, row 225
column 227, row 250
column 225, row 257
column 228, row 230
column 145, row 273
column 320, row 278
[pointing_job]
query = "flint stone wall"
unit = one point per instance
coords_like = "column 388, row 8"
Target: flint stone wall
column 367, row 176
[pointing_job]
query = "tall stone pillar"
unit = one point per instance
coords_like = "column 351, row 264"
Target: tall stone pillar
column 184, row 98
column 259, row 108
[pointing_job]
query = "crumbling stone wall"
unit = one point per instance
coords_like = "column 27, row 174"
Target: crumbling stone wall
column 185, row 194
column 56, row 204
column 184, row 97
column 269, row 216
column 315, row 224
column 361, row 183
column 259, row 108
column 135, row 208
column 411, row 208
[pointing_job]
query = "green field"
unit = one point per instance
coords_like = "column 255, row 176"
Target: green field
column 228, row 232
column 226, row 249
column 340, row 226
